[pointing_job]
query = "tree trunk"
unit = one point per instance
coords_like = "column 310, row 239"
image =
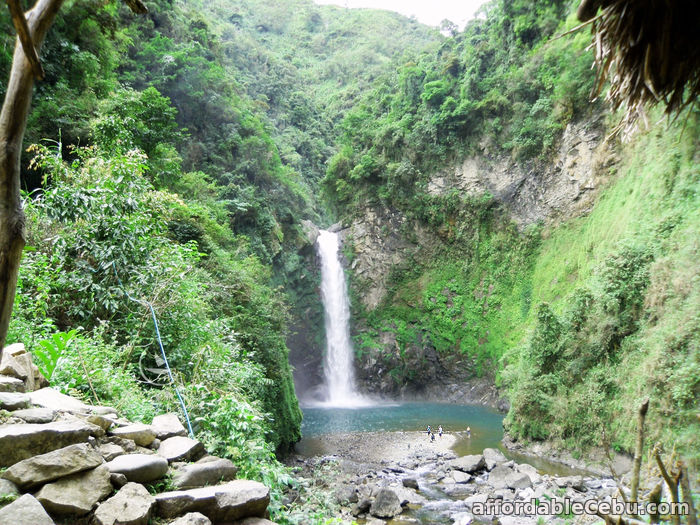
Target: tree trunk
column 688, row 495
column 13, row 122
column 638, row 451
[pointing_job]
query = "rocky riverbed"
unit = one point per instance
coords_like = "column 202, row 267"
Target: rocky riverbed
column 402, row 478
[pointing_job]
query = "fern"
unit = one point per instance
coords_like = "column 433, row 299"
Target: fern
column 50, row 351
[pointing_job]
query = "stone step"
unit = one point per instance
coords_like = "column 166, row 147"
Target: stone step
column 132, row 505
column 181, row 449
column 11, row 384
column 35, row 415
column 207, row 471
column 231, row 501
column 55, row 400
column 13, row 401
column 77, row 494
column 141, row 468
column 44, row 468
column 168, row 425
column 25, row 510
column 110, row 451
column 192, row 518
column 22, row 441
column 143, row 435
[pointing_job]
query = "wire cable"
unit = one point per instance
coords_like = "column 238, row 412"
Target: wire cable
column 162, row 350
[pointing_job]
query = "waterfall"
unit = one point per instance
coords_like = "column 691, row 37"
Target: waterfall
column 338, row 369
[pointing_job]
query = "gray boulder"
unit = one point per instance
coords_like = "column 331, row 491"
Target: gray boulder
column 503, row 494
column 47, row 467
column 9, row 366
column 461, row 477
column 575, row 482
column 109, row 451
column 386, row 504
column 76, row 494
column 101, row 421
column 141, row 468
column 168, row 425
column 519, row 480
column 411, row 483
column 25, row 510
column 498, row 477
column 476, row 498
column 204, row 473
column 232, row 501
column 18, row 442
column 7, row 488
column 192, row 518
column 255, row 521
column 103, row 411
column 503, row 477
column 17, row 362
column 127, row 444
column 132, row 505
column 345, row 494
column 468, row 464
column 35, row 415
column 493, row 457
column 13, row 401
column 142, row 435
column 180, row 448
column 55, row 400
column 118, row 480
column 11, row 384
column 408, row 496
column 531, row 472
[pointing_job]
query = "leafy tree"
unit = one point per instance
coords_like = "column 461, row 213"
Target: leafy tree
column 26, row 67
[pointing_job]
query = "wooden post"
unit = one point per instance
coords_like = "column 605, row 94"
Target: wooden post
column 687, row 494
column 671, row 482
column 655, row 497
column 638, row 451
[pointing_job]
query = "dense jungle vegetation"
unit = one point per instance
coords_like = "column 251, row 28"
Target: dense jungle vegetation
column 176, row 154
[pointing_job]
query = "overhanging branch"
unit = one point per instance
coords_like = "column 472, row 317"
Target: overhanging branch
column 25, row 38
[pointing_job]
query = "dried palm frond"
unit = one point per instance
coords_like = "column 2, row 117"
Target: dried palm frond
column 648, row 50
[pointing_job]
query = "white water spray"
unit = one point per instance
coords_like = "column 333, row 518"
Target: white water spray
column 338, row 367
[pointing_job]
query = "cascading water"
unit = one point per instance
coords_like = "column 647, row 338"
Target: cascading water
column 338, row 367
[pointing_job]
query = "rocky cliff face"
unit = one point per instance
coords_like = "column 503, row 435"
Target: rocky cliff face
column 536, row 191
column 305, row 338
column 529, row 192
